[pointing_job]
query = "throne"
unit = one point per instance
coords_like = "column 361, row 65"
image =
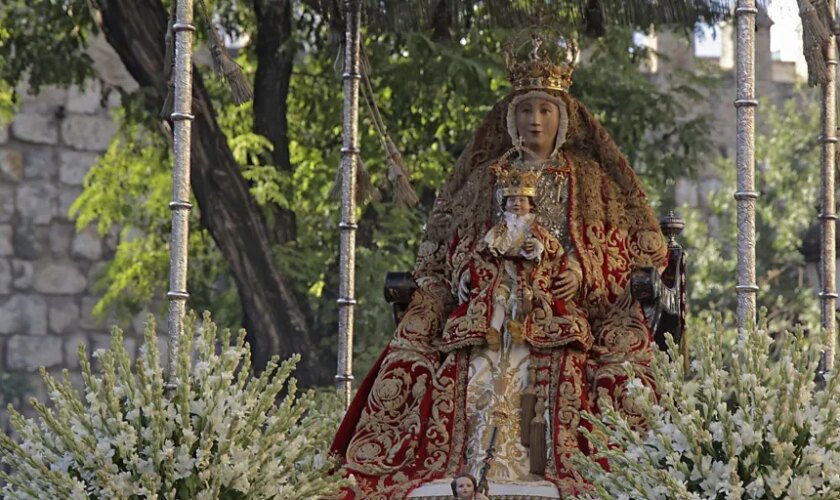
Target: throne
column 662, row 296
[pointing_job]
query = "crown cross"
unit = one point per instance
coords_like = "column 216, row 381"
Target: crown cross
column 535, row 52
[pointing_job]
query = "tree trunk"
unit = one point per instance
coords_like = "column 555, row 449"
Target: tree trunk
column 275, row 321
column 275, row 56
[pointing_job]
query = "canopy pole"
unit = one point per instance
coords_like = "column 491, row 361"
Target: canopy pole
column 180, row 204
column 347, row 226
column 745, row 104
column 828, row 216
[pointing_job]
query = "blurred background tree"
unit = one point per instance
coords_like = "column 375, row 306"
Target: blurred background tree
column 787, row 178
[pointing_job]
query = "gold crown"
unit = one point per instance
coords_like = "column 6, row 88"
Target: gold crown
column 549, row 63
column 513, row 181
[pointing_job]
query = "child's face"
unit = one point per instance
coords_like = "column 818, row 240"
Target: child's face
column 519, row 205
column 464, row 487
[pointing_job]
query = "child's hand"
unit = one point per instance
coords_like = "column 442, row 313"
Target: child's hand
column 532, row 249
column 528, row 246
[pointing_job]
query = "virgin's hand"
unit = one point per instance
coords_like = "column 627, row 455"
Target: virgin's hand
column 566, row 286
column 464, row 288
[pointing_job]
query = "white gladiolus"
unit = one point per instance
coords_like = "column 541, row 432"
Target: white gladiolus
column 747, row 421
column 219, row 434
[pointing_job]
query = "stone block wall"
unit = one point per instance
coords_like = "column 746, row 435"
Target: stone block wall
column 48, row 270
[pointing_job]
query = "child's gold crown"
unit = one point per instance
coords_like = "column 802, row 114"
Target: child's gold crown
column 512, row 181
column 548, row 62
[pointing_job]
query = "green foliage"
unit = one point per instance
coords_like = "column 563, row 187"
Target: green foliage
column 14, row 387
column 44, row 42
column 7, row 103
column 654, row 119
column 787, row 181
column 748, row 421
column 221, row 433
column 129, row 188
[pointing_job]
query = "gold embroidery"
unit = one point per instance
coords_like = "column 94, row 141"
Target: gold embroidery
column 610, row 228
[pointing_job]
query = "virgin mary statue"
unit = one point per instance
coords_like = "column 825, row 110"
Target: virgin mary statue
column 504, row 350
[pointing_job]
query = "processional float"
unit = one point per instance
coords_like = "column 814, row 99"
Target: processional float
column 819, row 30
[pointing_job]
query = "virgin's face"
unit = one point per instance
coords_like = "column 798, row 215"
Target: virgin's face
column 464, row 487
column 537, row 120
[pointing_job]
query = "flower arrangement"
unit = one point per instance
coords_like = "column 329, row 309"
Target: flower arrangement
column 749, row 422
column 221, row 432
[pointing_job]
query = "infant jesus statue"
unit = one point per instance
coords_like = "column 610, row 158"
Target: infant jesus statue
column 528, row 258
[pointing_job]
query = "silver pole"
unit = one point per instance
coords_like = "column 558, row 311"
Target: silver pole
column 180, row 204
column 746, row 195
column 347, row 226
column 828, row 216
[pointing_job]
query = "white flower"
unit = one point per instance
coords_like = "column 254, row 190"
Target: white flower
column 184, row 462
column 717, row 431
column 778, row 482
column 755, row 489
column 116, row 455
column 63, row 464
column 801, row 487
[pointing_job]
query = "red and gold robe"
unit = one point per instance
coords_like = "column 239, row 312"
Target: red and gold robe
column 407, row 424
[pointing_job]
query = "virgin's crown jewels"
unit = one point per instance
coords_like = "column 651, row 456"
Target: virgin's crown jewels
column 548, row 64
column 513, row 181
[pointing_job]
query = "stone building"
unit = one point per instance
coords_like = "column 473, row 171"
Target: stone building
column 48, row 270
column 775, row 83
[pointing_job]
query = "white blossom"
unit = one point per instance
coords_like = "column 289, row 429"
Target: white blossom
column 213, row 435
column 709, row 436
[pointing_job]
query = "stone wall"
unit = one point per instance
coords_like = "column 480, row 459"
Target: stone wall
column 48, row 270
column 774, row 84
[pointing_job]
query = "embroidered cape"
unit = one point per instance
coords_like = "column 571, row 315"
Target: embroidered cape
column 407, row 424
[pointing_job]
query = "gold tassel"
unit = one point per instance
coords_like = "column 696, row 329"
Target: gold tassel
column 404, row 194
column 516, row 330
column 815, row 35
column 527, row 301
column 494, row 339
column 365, row 190
column 224, row 65
column 537, row 451
column 529, row 400
column 169, row 67
column 232, row 72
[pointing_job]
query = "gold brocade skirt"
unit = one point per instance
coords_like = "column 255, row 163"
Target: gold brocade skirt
column 496, row 381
